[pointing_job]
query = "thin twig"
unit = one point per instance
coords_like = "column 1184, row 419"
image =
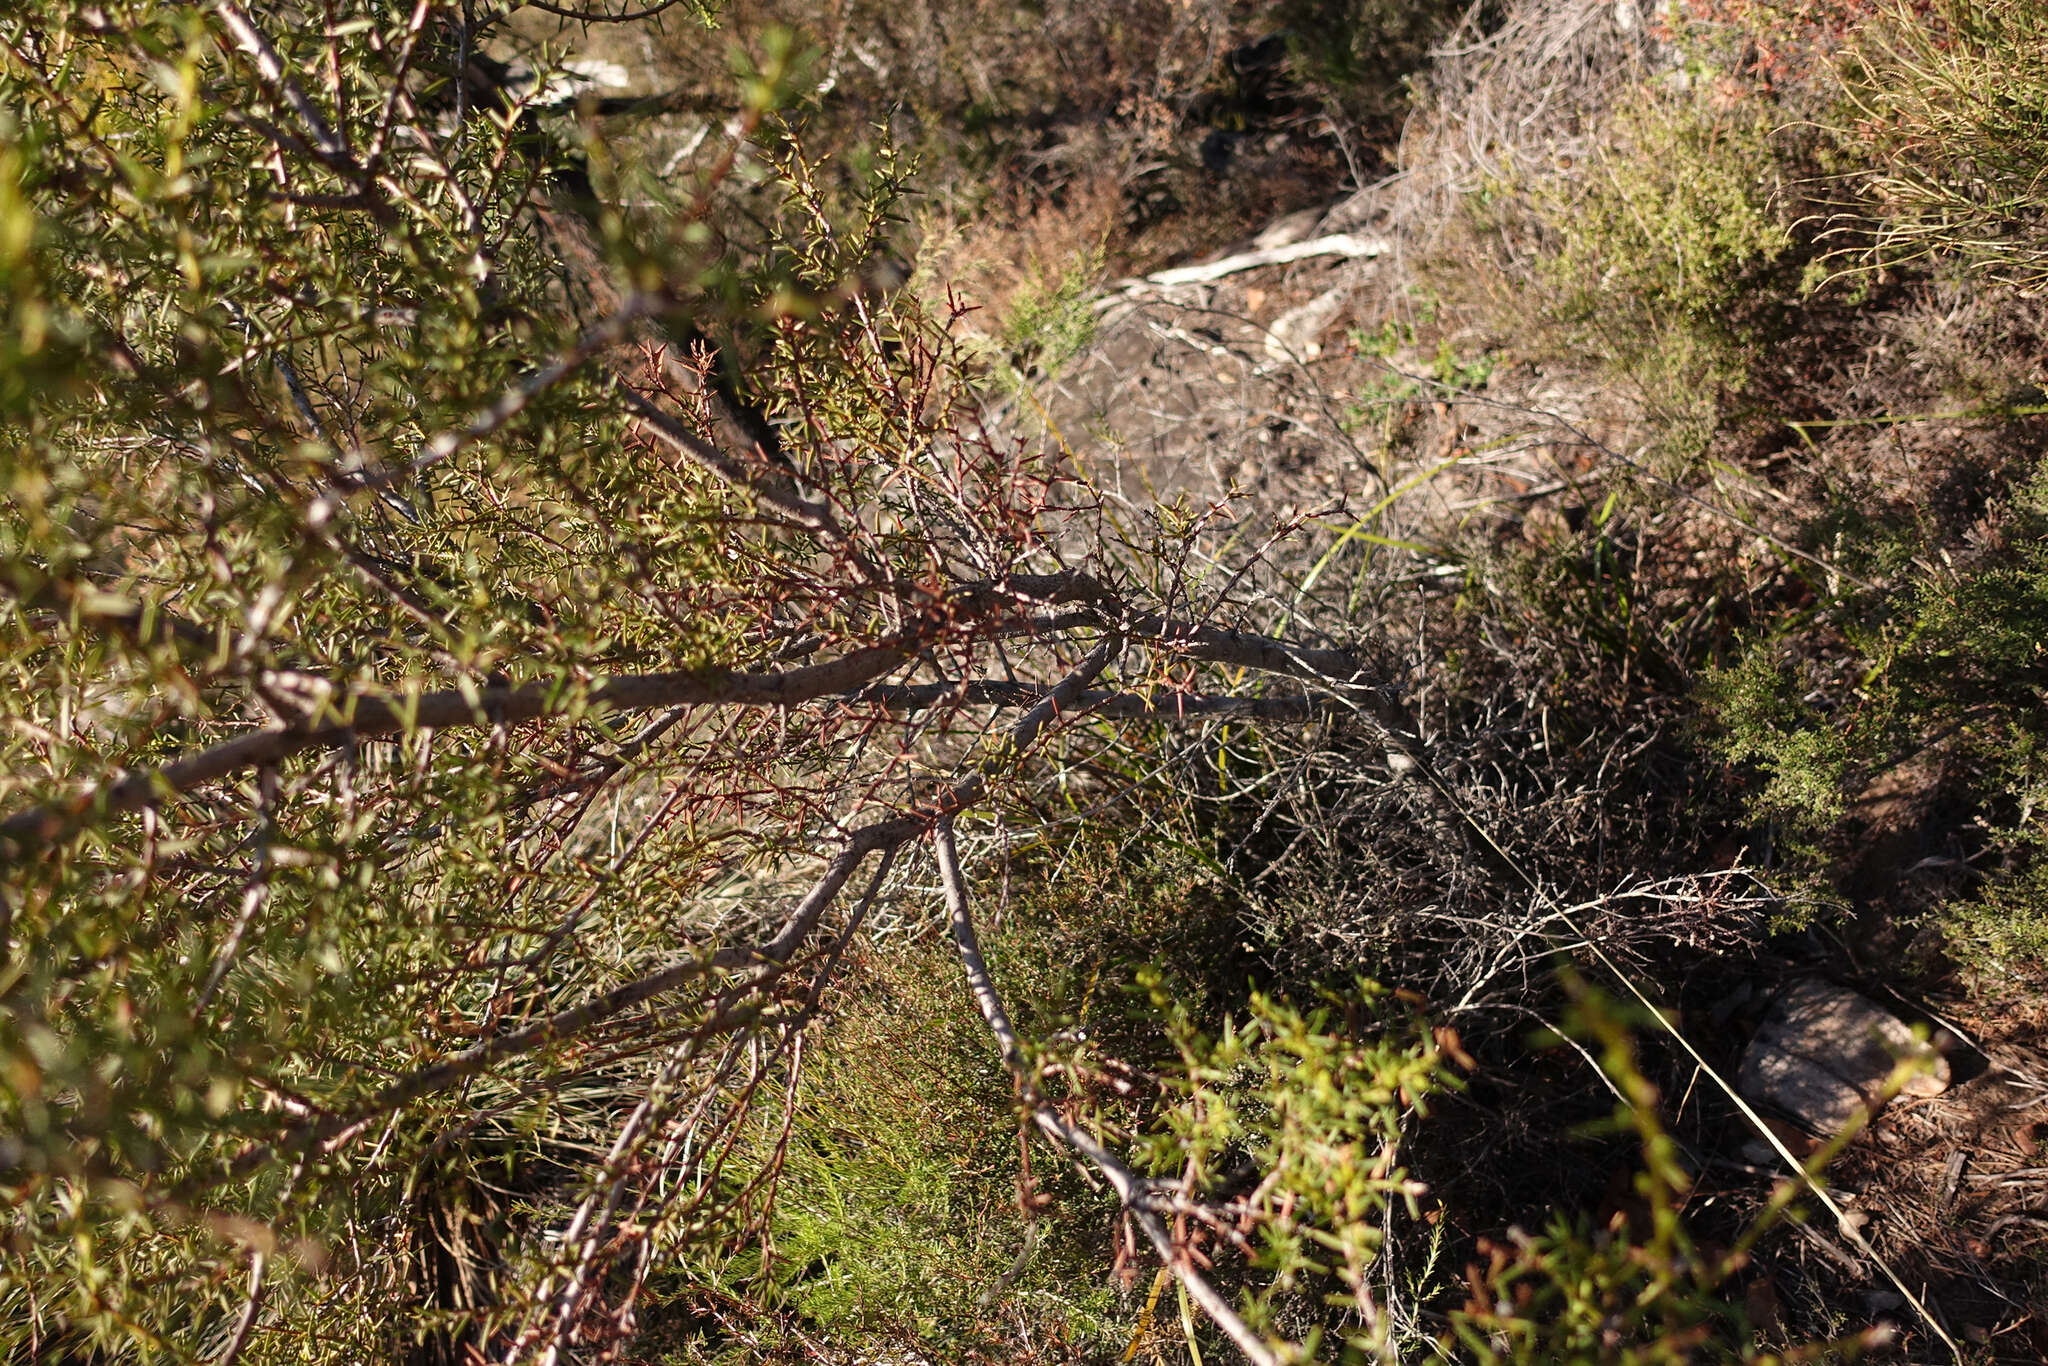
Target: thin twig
column 271, row 67
column 251, row 1306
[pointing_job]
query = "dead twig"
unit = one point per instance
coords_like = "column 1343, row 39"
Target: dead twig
column 1348, row 245
column 1136, row 1192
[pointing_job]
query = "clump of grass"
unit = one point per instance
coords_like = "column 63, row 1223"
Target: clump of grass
column 1948, row 106
column 899, row 1216
column 1050, row 319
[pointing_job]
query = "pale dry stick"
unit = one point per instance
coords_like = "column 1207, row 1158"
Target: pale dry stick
column 1135, row 1191
column 1343, row 244
column 251, row 1306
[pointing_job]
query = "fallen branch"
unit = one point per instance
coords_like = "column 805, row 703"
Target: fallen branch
column 1136, row 1192
column 1344, row 244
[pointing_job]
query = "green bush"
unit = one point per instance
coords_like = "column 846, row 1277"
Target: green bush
column 1956, row 655
column 1765, row 722
column 1051, row 318
column 1662, row 244
column 1679, row 217
column 1318, row 1103
column 1664, row 254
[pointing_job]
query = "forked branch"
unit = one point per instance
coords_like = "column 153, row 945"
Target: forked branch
column 1138, row 1194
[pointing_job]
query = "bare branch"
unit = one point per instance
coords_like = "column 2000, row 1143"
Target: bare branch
column 251, row 1306
column 348, row 717
column 1136, row 1192
column 271, row 67
column 815, row 517
column 1114, row 706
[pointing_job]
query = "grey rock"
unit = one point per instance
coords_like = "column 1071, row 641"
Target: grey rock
column 1823, row 1051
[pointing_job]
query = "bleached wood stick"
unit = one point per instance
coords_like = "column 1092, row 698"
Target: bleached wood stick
column 1336, row 244
column 1133, row 1189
